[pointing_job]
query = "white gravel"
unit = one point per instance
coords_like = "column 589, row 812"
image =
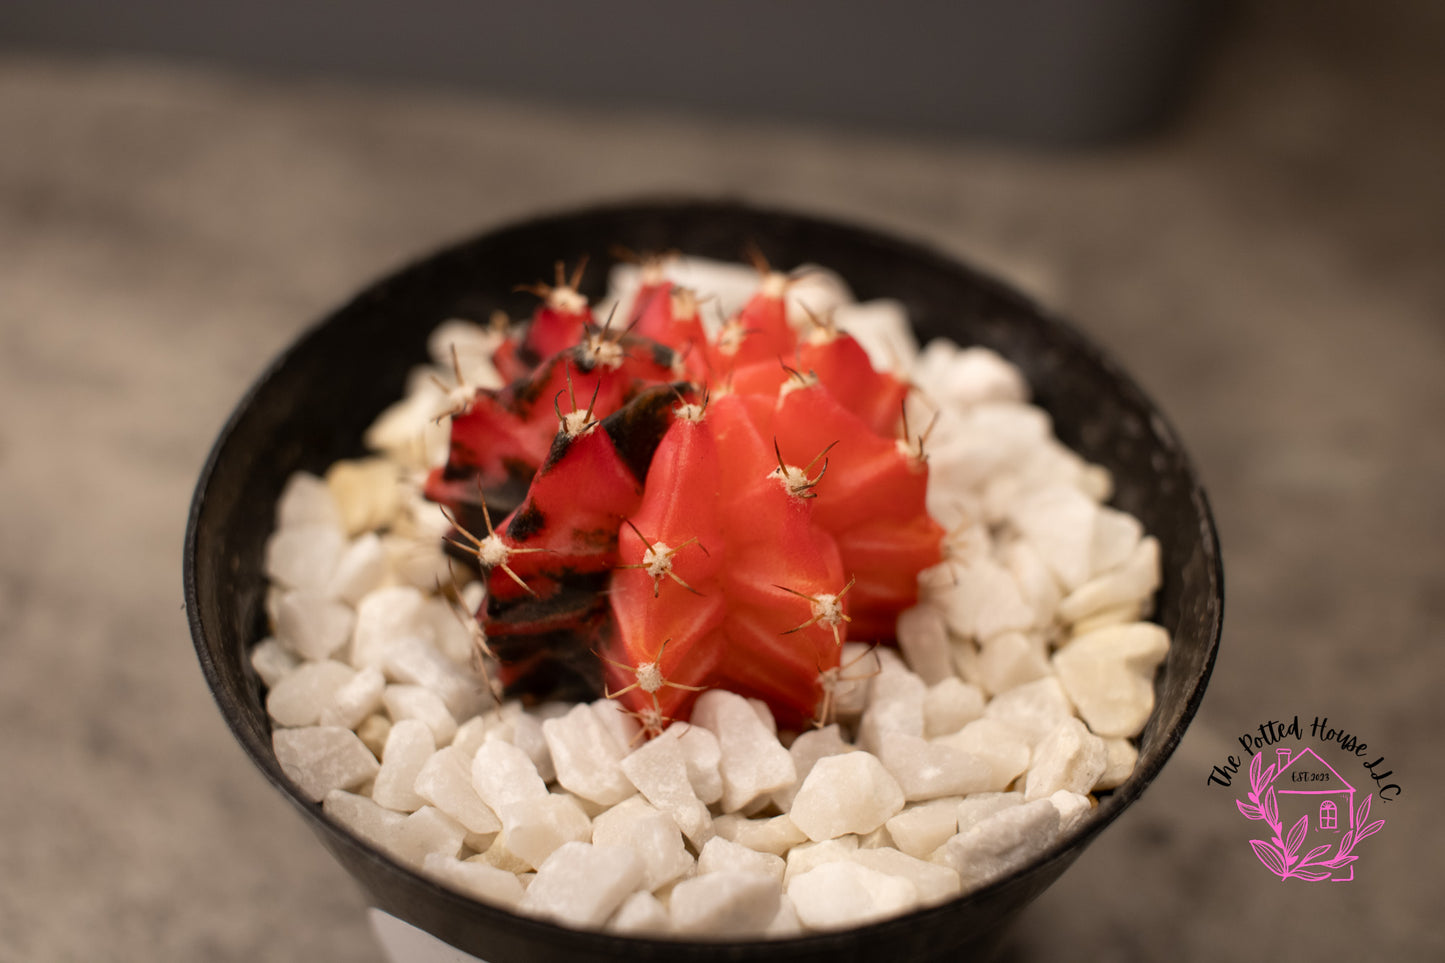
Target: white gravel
column 1023, row 676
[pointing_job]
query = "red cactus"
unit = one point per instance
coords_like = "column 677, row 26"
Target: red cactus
column 669, row 540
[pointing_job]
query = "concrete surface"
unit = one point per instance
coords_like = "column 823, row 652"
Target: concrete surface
column 1270, row 269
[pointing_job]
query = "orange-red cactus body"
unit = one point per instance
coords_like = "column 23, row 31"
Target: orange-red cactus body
column 759, row 332
column 840, row 362
column 872, row 499
column 553, row 330
column 668, row 544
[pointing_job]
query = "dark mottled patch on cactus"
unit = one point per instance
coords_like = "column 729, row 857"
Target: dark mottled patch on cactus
column 637, row 428
column 526, row 523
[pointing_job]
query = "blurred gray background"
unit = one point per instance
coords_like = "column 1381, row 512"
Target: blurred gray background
column 1244, row 203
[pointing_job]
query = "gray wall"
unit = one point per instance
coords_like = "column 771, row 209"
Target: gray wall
column 1042, row 70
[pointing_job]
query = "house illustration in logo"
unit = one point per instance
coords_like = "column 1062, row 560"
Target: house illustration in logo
column 1305, row 785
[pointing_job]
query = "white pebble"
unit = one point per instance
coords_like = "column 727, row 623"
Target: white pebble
column 581, row 884
column 641, row 914
column 1059, row 521
column 535, row 831
column 965, row 660
column 933, row 882
column 950, row 705
column 857, row 665
column 625, row 729
column 1116, row 537
column 272, row 661
column 849, row 793
column 1033, row 708
column 408, row 747
column 776, row 835
column 417, row 662
column 305, row 500
column 651, row 834
column 1072, row 807
column 923, row 638
column 361, row 569
column 419, row 702
column 1122, row 757
column 703, row 755
column 920, row 829
column 1000, row 747
column 1132, row 582
column 501, row 857
column 451, row 632
column 658, row 769
column 1011, row 659
column 505, row 778
column 319, row 759
column 963, row 377
column 407, row 430
column 753, row 763
column 1069, row 758
column 301, row 697
column 968, row 449
column 724, row 855
column 527, row 736
column 417, row 560
column 1116, row 615
column 1001, row 842
column 470, row 735
column 373, row 732
column 986, row 601
column 1037, row 585
column 737, row 904
column 312, row 625
column 587, row 756
column 366, row 493
column 895, row 704
column 877, row 839
column 478, row 880
column 355, row 701
column 364, row 817
column 304, row 557
column 928, row 770
column 786, row 922
column 1109, row 674
column 806, row 856
column 806, row 750
column 384, row 616
column 428, row 830
column 445, row 781
column 846, row 894
column 974, row 809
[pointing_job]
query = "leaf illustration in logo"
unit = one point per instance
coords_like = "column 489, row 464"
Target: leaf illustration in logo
column 1296, row 836
column 1315, row 853
column 1250, row 812
column 1362, row 812
column 1267, row 854
column 1370, row 830
column 1339, row 861
column 1271, row 807
column 1313, row 875
column 1256, row 771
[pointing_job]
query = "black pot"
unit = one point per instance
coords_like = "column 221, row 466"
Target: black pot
column 312, row 406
